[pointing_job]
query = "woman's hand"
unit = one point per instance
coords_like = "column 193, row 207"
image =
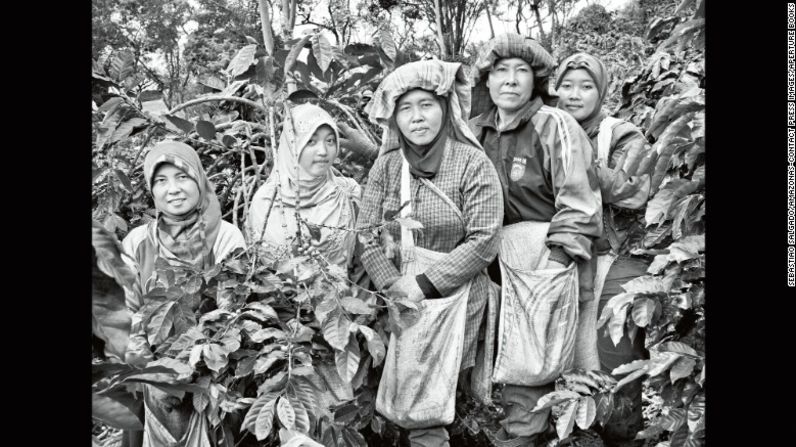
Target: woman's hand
column 407, row 286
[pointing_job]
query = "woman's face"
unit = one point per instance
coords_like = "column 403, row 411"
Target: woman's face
column 419, row 116
column 319, row 153
column 510, row 83
column 174, row 191
column 578, row 94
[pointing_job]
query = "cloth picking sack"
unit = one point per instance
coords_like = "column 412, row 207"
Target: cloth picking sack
column 538, row 312
column 586, row 354
column 156, row 433
column 421, row 368
column 481, row 377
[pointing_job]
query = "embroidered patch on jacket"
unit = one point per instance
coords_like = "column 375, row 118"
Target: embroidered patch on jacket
column 517, row 169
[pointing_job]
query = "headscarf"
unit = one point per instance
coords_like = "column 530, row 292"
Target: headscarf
column 599, row 75
column 189, row 237
column 424, row 160
column 446, row 80
column 296, row 133
column 504, row 46
column 324, row 199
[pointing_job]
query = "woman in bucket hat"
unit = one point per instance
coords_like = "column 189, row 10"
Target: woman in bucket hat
column 543, row 159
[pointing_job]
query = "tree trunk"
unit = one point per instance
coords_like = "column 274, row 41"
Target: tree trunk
column 518, row 16
column 288, row 22
column 268, row 34
column 489, row 19
column 288, row 18
column 440, row 34
column 535, row 7
column 554, row 26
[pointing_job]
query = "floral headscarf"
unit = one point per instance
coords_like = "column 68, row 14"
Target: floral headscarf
column 189, row 237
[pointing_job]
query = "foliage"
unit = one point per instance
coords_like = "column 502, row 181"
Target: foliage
column 580, row 398
column 260, row 337
column 286, row 348
column 612, row 37
column 529, row 16
column 147, row 34
column 666, row 98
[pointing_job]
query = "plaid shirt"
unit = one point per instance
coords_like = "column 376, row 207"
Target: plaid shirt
column 466, row 176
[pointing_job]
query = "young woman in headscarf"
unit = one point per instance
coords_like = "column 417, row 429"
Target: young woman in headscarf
column 188, row 228
column 552, row 204
column 432, row 169
column 623, row 160
column 304, row 165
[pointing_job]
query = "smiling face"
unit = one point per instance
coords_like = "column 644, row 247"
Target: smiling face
column 319, row 153
column 578, row 94
column 419, row 116
column 510, row 83
column 174, row 191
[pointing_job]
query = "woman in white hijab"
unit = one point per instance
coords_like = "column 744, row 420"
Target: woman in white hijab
column 307, row 147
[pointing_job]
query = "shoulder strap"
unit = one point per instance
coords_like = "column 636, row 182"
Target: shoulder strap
column 407, row 239
column 604, row 137
column 443, row 196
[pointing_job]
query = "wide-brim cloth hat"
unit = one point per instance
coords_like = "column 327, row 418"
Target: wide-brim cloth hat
column 446, row 79
column 504, row 46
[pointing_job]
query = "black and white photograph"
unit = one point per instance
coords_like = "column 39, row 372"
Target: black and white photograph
column 419, row 223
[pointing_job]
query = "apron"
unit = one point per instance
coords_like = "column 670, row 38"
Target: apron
column 539, row 309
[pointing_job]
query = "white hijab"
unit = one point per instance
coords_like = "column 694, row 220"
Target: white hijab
column 324, row 200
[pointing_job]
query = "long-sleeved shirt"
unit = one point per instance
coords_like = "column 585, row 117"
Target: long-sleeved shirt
column 470, row 181
column 140, row 248
column 620, row 221
column 543, row 158
column 138, row 245
column 468, row 178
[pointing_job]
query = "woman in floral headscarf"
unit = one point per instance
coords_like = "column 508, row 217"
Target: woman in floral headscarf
column 325, row 201
column 188, row 229
column 431, row 170
column 623, row 161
